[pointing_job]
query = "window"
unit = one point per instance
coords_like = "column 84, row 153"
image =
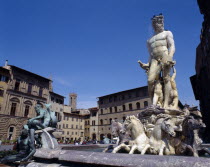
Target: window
column 72, row 126
column 4, row 78
column 1, row 92
column 101, row 101
column 77, row 119
column 115, row 98
column 88, row 122
column 81, row 134
column 13, row 109
column 80, row 127
column 129, row 95
column 138, row 105
column 93, row 123
column 59, row 126
column 110, row 121
column 72, row 133
column 26, row 111
column 29, row 88
column 115, row 108
column 52, row 99
column 68, row 133
column 94, row 114
column 124, row 108
column 130, row 107
column 75, row 133
column 110, row 109
column 101, row 111
column 63, row 125
column 41, row 91
column 76, row 126
column 17, row 84
column 101, row 122
column 67, row 125
column 145, row 103
column 123, row 97
column 72, row 119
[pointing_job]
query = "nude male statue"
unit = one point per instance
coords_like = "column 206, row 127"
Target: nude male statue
column 42, row 119
column 161, row 49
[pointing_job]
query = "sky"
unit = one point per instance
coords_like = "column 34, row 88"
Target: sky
column 91, row 47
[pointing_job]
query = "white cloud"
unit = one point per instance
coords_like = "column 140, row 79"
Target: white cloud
column 61, row 81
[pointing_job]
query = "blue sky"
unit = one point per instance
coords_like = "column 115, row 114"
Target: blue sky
column 91, row 47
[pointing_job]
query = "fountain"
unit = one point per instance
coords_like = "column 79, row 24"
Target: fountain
column 163, row 130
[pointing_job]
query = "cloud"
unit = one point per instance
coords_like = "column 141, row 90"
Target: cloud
column 61, row 81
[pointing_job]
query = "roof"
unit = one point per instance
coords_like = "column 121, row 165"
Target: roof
column 57, row 94
column 143, row 87
column 93, row 109
column 18, row 68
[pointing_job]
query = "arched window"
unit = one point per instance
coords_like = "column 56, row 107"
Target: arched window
column 101, row 111
column 115, row 108
column 110, row 121
column 14, row 102
column 124, row 108
column 145, row 103
column 13, row 109
column 130, row 107
column 27, row 107
column 101, row 122
column 110, row 109
column 137, row 105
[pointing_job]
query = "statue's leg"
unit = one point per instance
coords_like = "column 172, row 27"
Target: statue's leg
column 153, row 72
column 133, row 148
column 145, row 149
column 162, row 149
column 116, row 149
column 167, row 84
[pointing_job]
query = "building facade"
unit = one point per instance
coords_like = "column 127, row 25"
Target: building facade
column 21, row 90
column 201, row 81
column 93, row 131
column 119, row 105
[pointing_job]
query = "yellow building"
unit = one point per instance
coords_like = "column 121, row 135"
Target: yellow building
column 20, row 90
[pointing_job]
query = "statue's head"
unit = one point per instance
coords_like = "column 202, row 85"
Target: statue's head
column 38, row 107
column 158, row 23
column 24, row 133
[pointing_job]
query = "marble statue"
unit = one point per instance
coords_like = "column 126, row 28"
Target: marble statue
column 162, row 128
column 161, row 86
column 138, row 139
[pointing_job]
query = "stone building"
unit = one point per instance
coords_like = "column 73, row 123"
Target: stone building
column 93, row 125
column 118, row 106
column 20, row 90
column 201, row 81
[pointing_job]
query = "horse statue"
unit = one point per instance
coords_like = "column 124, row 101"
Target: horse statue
column 158, row 142
column 138, row 137
column 117, row 131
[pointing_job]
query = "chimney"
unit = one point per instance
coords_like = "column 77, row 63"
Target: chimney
column 73, row 101
column 6, row 63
